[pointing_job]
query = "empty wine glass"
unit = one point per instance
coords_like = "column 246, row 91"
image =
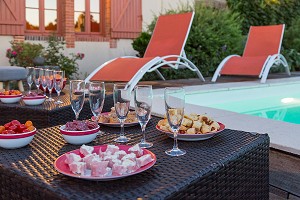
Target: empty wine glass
column 29, row 77
column 43, row 80
column 58, row 84
column 77, row 96
column 50, row 83
column 143, row 96
column 36, row 78
column 121, row 95
column 174, row 104
column 96, row 97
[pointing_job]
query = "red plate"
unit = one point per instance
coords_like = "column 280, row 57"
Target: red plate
column 193, row 137
column 63, row 168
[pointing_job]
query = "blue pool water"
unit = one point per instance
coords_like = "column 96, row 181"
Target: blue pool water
column 277, row 101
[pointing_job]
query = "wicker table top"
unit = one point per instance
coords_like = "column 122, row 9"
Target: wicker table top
column 233, row 164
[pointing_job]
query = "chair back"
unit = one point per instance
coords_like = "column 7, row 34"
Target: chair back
column 170, row 35
column 264, row 40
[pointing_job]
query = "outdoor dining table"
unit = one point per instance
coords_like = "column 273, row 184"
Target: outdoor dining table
column 231, row 165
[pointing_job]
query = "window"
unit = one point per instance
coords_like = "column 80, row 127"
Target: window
column 41, row 15
column 87, row 16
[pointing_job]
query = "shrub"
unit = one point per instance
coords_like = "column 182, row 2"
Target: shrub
column 23, row 53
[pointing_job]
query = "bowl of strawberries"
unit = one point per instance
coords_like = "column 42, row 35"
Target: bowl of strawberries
column 14, row 134
column 10, row 96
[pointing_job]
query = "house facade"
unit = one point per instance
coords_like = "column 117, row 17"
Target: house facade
column 101, row 29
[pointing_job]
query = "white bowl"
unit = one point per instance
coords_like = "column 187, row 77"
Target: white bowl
column 10, row 98
column 79, row 137
column 33, row 101
column 13, row 141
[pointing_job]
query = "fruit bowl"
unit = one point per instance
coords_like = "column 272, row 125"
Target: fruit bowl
column 34, row 100
column 79, row 137
column 16, row 140
column 10, row 98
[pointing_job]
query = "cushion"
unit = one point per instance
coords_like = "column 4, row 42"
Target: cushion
column 9, row 73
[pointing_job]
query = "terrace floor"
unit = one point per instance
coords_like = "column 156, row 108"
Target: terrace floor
column 284, row 166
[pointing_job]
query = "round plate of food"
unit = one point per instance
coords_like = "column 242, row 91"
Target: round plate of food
column 89, row 168
column 193, row 128
column 111, row 119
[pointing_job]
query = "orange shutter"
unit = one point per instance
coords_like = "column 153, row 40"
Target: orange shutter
column 12, row 13
column 126, row 18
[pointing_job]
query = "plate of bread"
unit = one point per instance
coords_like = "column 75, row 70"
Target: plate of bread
column 111, row 119
column 194, row 127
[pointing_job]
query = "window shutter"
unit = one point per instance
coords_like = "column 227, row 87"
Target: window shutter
column 12, row 14
column 126, row 18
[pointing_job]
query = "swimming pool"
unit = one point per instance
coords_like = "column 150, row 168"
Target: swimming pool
column 273, row 101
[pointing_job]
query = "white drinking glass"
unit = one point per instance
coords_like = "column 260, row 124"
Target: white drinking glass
column 43, row 80
column 58, row 84
column 50, row 83
column 29, row 77
column 143, row 96
column 121, row 95
column 36, row 78
column 174, row 105
column 96, row 97
column 77, row 96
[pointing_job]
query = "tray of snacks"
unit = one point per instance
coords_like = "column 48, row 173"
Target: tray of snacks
column 111, row 119
column 105, row 162
column 194, row 127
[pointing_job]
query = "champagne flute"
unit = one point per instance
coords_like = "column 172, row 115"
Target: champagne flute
column 121, row 95
column 96, row 97
column 174, row 105
column 43, row 80
column 143, row 96
column 50, row 83
column 58, row 84
column 77, row 96
column 36, row 78
column 29, row 77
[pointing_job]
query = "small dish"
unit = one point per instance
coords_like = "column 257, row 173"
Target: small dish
column 193, row 137
column 33, row 100
column 10, row 98
column 17, row 140
column 79, row 137
column 117, row 124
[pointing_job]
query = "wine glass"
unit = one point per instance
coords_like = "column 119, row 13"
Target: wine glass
column 43, row 80
column 174, row 105
column 36, row 78
column 58, row 84
column 29, row 77
column 121, row 95
column 77, row 96
column 96, row 97
column 50, row 83
column 143, row 96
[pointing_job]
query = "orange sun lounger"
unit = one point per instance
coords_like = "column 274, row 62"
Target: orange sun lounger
column 262, row 51
column 165, row 49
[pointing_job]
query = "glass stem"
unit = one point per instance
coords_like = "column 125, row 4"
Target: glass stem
column 58, row 96
column 143, row 140
column 175, row 146
column 76, row 116
column 50, row 94
column 122, row 128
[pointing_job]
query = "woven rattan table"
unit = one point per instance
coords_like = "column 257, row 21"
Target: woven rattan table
column 47, row 114
column 232, row 165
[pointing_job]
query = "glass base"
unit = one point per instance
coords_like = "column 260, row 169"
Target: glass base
column 49, row 99
column 145, row 144
column 58, row 102
column 122, row 139
column 175, row 152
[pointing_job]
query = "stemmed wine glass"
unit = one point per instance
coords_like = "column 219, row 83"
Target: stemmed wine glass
column 96, row 97
column 29, row 77
column 43, row 80
column 143, row 96
column 50, row 83
column 58, row 80
column 121, row 95
column 36, row 78
column 77, row 96
column 174, row 104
